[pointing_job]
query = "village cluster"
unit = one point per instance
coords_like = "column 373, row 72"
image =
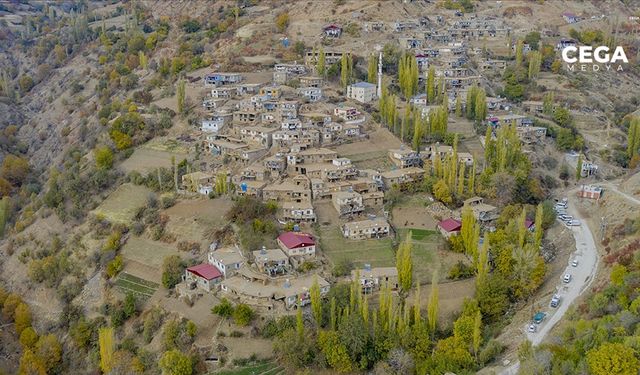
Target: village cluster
column 277, row 138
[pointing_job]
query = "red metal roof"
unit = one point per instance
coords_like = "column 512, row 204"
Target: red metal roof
column 293, row 240
column 206, row 271
column 450, row 225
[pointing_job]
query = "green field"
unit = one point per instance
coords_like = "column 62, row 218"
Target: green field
column 267, row 368
column 378, row 253
column 139, row 287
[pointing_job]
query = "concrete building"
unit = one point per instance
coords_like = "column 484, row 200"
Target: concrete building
column 364, row 229
column 205, row 276
column 228, row 261
column 347, row 203
column 372, row 279
column 363, row 92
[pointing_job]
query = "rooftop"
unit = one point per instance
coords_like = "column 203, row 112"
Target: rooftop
column 206, row 271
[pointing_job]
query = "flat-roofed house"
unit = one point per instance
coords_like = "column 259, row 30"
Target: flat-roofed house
column 405, row 158
column 481, row 210
column 364, row 229
column 198, row 182
column 347, row 203
column 220, row 79
column 402, row 177
column 372, row 279
column 363, row 92
column 298, row 212
column 228, row 261
column 273, row 262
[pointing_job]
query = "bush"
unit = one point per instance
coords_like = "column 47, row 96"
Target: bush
column 460, row 270
column 243, row 315
column 490, row 351
column 236, row 334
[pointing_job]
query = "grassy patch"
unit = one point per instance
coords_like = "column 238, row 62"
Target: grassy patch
column 128, row 283
column 418, row 234
column 378, row 253
column 121, row 205
column 426, row 258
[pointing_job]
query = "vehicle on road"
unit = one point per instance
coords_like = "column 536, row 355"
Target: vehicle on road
column 555, row 301
column 574, row 263
column 567, row 277
column 532, row 328
column 539, row 317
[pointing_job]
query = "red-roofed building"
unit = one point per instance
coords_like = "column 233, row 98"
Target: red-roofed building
column 449, row 227
column 332, row 30
column 205, row 275
column 297, row 244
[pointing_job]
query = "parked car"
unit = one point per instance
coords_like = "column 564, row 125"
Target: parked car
column 539, row 317
column 555, row 301
column 532, row 328
column 574, row 263
column 566, row 278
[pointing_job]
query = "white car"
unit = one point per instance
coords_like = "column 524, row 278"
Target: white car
column 566, row 278
column 532, row 328
column 574, row 263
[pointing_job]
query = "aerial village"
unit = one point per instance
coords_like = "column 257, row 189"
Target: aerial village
column 277, row 140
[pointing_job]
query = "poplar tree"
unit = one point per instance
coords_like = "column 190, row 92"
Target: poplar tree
column 482, row 268
column 471, row 181
column 372, row 69
column 316, row 302
column 471, row 102
column 431, row 89
column 417, row 319
column 522, row 228
column 432, row 308
column 579, row 168
column 404, row 264
column 461, row 180
column 470, row 233
column 535, row 59
column 519, row 48
column 320, row 65
column 107, row 347
column 458, row 106
column 333, row 313
column 477, row 333
column 547, row 103
column 480, row 106
column 346, row 67
column 143, row 59
column 538, row 233
column 633, row 139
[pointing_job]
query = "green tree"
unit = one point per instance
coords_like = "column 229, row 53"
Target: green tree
column 49, row 350
column 432, row 308
column 243, row 315
column 346, row 70
column 633, row 139
column 224, row 309
column 321, row 65
column 316, row 302
column 282, row 22
column 334, row 351
column 470, row 233
column 143, row 60
column 442, row 192
column 107, row 347
column 480, row 106
column 22, row 317
column 431, row 89
column 613, row 359
column 535, row 60
column 104, row 157
column 519, row 52
column 408, row 75
column 404, row 264
column 172, row 269
column 372, row 69
column 174, row 362
column 458, row 106
column 30, row 364
column 28, row 338
column 477, row 333
column 547, row 103
column 579, row 168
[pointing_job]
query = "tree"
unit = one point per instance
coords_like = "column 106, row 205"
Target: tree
column 26, row 83
column 334, row 351
column 480, row 106
column 104, row 157
column 30, row 364
column 49, row 350
column 432, row 308
column 519, row 48
column 404, row 264
column 547, row 103
column 28, row 338
column 442, row 192
column 538, row 231
column 22, row 317
column 346, row 70
column 613, row 359
column 372, row 69
column 243, row 315
column 181, row 95
column 320, row 65
column 282, row 22
column 470, row 233
column 633, row 139
column 224, row 309
column 316, row 302
column 458, row 106
column 172, row 269
column 579, row 168
column 535, row 60
column 408, row 75
column 143, row 60
column 14, row 169
column 532, row 39
column 431, row 89
column 107, row 347
column 174, row 362
column 477, row 333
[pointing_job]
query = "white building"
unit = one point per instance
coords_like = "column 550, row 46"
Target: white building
column 364, row 92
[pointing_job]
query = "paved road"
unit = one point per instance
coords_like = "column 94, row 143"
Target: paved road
column 587, row 255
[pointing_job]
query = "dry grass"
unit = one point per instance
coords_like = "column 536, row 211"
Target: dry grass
column 120, row 206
